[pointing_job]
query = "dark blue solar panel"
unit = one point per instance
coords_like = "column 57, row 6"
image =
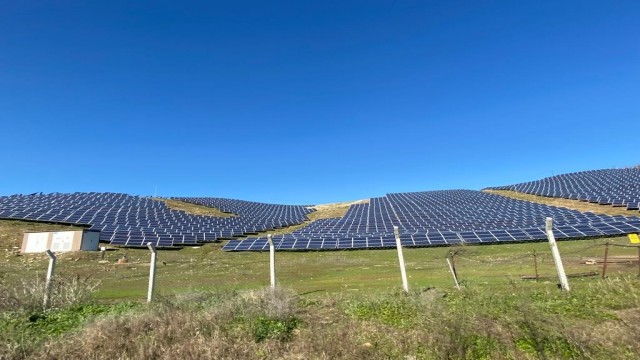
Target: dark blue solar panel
column 421, row 240
column 286, row 244
column 346, row 243
column 374, row 242
column 388, row 241
column 469, row 237
column 485, row 236
column 329, row 243
column 561, row 232
column 315, row 244
column 502, row 235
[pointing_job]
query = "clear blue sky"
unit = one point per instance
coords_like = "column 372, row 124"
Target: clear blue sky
column 313, row 101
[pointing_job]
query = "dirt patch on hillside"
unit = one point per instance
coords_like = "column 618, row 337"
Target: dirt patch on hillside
column 566, row 203
column 194, row 209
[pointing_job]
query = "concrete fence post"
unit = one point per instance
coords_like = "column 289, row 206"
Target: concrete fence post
column 49, row 280
column 403, row 271
column 272, row 261
column 564, row 283
column 152, row 271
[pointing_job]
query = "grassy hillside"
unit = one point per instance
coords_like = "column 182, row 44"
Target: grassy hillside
column 207, row 267
column 212, row 304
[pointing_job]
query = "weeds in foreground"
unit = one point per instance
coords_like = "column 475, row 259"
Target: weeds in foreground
column 426, row 324
column 25, row 324
column 475, row 325
column 29, row 294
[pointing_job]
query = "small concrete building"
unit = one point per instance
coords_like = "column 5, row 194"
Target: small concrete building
column 60, row 241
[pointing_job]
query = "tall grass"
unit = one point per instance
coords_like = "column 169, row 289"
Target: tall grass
column 599, row 321
column 28, row 295
column 25, row 324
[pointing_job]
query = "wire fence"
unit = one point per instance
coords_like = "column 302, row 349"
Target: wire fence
column 586, row 261
column 484, row 265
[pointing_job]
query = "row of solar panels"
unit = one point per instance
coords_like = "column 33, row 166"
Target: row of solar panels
column 436, row 238
column 199, row 220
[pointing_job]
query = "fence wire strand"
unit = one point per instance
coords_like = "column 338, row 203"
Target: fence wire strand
column 541, row 254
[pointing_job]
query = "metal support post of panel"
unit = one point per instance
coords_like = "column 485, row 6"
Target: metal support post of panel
column 403, row 271
column 562, row 276
column 272, row 261
column 47, row 284
column 152, row 271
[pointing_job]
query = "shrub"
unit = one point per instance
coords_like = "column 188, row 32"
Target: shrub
column 270, row 328
column 29, row 294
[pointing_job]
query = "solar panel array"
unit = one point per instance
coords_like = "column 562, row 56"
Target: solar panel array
column 441, row 218
column 617, row 187
column 277, row 215
column 127, row 220
column 424, row 218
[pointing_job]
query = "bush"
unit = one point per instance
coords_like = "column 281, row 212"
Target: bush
column 29, row 295
column 269, row 328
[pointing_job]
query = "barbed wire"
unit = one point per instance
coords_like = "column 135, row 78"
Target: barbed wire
column 581, row 250
column 496, row 261
column 542, row 254
column 626, row 246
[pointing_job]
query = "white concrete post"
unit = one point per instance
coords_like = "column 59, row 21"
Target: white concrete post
column 453, row 273
column 403, row 271
column 564, row 283
column 152, row 271
column 272, row 261
column 48, row 282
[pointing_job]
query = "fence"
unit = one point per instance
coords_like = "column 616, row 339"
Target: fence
column 528, row 264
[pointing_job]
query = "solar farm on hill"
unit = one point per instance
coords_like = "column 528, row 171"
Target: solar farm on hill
column 431, row 218
column 213, row 302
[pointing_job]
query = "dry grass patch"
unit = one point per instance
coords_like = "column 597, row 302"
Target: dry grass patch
column 336, row 210
column 193, row 208
column 565, row 203
column 215, row 325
